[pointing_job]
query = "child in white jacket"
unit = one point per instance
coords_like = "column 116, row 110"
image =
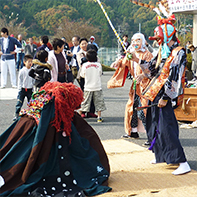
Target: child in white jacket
column 92, row 71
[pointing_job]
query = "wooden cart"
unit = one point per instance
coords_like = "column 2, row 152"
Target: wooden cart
column 188, row 110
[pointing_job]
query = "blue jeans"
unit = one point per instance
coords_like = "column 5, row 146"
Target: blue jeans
column 20, row 98
column 19, row 58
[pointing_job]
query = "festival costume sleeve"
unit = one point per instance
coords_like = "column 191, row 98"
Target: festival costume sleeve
column 175, row 83
column 147, row 56
column 120, row 75
column 118, row 80
column 162, row 75
column 23, row 156
column 148, row 67
column 85, row 131
column 139, row 88
column 88, row 165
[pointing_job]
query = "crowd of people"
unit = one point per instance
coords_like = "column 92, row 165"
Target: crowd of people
column 46, row 76
column 157, row 82
column 56, row 62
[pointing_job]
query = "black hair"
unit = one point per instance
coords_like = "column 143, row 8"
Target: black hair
column 82, row 39
column 26, row 57
column 57, row 42
column 78, row 38
column 45, row 39
column 125, row 35
column 91, row 55
column 4, row 30
column 92, row 46
column 42, row 55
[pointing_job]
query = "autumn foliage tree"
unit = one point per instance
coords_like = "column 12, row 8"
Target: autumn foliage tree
column 69, row 28
column 51, row 18
column 12, row 25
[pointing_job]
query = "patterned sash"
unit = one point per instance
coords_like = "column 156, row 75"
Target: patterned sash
column 157, row 82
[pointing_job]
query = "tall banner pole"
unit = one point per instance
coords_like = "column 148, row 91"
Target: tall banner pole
column 98, row 1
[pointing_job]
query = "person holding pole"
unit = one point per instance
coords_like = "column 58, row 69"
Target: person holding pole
column 166, row 71
column 133, row 120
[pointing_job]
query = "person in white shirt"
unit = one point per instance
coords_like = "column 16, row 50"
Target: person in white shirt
column 25, row 85
column 7, row 45
column 92, row 71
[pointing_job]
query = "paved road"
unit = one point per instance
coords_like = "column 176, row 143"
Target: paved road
column 113, row 125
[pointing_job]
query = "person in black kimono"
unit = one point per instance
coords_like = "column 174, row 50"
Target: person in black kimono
column 165, row 90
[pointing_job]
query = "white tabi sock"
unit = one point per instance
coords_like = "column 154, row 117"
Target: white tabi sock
column 182, row 169
column 2, row 182
column 134, row 130
column 153, row 161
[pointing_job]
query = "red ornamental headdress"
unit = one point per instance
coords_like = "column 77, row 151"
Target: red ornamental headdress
column 164, row 32
column 170, row 20
column 68, row 98
column 164, row 10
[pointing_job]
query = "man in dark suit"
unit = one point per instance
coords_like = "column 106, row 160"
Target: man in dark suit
column 71, row 56
column 30, row 48
column 125, row 43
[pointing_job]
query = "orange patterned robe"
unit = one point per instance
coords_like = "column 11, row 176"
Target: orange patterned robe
column 118, row 80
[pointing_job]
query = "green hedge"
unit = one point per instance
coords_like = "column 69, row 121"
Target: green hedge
column 107, row 68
